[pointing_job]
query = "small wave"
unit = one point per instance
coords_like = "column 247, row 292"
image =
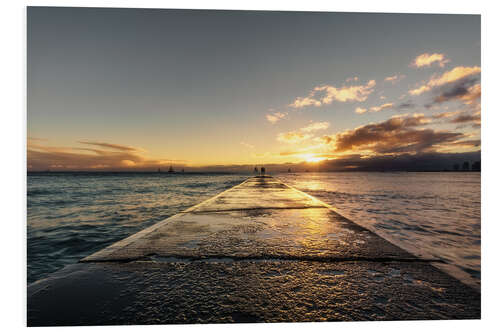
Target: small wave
column 35, row 192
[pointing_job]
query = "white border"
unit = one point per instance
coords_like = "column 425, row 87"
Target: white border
column 13, row 135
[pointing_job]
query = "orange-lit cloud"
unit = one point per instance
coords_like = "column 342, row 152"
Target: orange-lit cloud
column 275, row 117
column 426, row 59
column 447, row 114
column 113, row 157
column 301, row 102
column 375, row 108
column 456, row 74
column 293, row 137
column 316, row 127
column 381, row 107
column 249, row 146
column 402, row 135
column 453, row 75
column 395, row 78
column 302, row 134
column 111, row 146
column 397, row 135
column 326, row 94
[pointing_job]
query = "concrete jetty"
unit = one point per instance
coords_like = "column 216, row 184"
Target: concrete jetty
column 261, row 251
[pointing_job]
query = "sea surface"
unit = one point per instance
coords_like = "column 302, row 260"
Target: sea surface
column 435, row 214
column 72, row 215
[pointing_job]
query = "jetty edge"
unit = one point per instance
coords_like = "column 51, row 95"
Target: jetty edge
column 261, row 251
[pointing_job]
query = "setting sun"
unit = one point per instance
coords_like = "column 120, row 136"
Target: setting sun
column 311, row 158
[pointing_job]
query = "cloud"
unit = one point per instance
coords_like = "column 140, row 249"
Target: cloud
column 426, row 59
column 379, row 108
column 302, row 134
column 456, row 74
column 326, row 94
column 464, row 90
column 467, row 118
column 395, row 78
column 453, row 75
column 293, row 137
column 397, row 135
column 445, row 114
column 467, row 143
column 420, row 90
column 406, row 105
column 472, row 95
column 111, row 146
column 275, row 117
column 113, row 158
column 316, row 126
column 301, row 102
column 250, row 146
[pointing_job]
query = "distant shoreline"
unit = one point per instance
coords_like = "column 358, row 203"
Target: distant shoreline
column 235, row 173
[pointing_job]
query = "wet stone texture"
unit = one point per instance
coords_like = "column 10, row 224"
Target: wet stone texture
column 248, row 291
column 259, row 252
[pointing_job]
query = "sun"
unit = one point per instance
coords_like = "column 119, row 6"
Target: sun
column 311, row 158
column 315, row 159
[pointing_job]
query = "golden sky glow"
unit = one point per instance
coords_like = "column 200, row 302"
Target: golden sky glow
column 193, row 97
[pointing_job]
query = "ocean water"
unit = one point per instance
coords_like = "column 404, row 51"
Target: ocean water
column 435, row 214
column 71, row 215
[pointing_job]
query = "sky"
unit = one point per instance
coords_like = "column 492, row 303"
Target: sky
column 141, row 89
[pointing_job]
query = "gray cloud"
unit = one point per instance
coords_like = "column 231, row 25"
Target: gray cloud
column 466, row 118
column 461, row 90
column 406, row 105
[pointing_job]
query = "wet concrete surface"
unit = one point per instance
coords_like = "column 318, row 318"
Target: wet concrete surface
column 259, row 252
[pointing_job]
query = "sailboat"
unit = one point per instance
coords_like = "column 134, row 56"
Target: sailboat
column 171, row 170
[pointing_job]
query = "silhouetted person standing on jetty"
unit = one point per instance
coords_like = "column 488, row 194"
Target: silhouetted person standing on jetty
column 262, row 171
